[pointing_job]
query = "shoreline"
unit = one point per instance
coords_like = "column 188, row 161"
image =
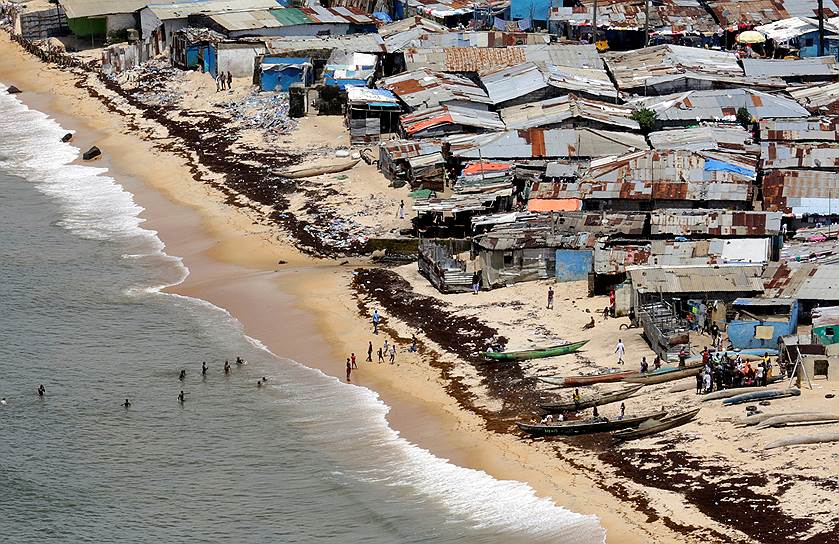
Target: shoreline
column 233, row 263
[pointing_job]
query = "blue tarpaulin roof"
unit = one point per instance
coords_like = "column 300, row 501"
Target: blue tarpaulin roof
column 713, row 165
column 382, row 16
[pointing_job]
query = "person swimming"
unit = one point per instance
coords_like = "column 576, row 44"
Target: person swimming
column 182, row 376
column 240, row 361
column 126, row 404
column 259, row 383
column 41, row 390
column 3, row 401
column 204, row 368
column 181, row 397
column 227, row 367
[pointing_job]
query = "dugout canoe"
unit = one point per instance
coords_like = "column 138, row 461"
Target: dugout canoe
column 558, row 407
column 803, row 439
column 665, row 375
column 761, row 395
column 655, row 427
column 311, row 171
column 538, row 353
column 812, row 418
column 580, row 381
column 586, row 426
column 733, row 392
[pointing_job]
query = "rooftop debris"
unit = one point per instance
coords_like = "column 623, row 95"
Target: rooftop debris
column 719, row 105
column 400, row 35
column 596, row 222
column 667, row 17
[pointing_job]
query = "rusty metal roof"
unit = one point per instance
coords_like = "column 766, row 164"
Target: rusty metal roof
column 595, row 222
column 449, row 8
column 401, row 34
column 719, row 105
column 546, row 143
column 679, row 222
column 760, row 12
column 801, row 191
column 474, row 59
column 613, row 259
column 666, row 16
column 817, row 155
column 474, row 38
column 824, row 129
column 665, row 175
column 427, row 89
column 558, row 110
column 406, row 149
column 447, row 119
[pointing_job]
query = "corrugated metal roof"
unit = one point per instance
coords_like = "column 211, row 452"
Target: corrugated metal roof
column 245, row 20
column 474, row 59
column 825, row 67
column 591, row 81
column 759, row 12
column 732, row 139
column 776, row 155
column 679, row 222
column 427, row 89
column 818, row 98
column 790, row 28
column 719, row 105
column 823, row 129
column 822, row 285
column 453, row 116
column 697, row 279
column 449, row 8
column 93, row 8
column 545, row 143
column 181, row 10
column 473, row 38
column 613, row 259
column 666, row 16
column 826, row 316
column 801, row 191
column 364, row 95
column 360, row 43
column 504, row 84
column 664, row 64
column 406, row 33
column 665, row 175
column 557, row 110
column 290, row 17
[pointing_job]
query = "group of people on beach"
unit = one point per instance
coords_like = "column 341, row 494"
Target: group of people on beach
column 721, row 371
column 223, row 81
column 388, row 350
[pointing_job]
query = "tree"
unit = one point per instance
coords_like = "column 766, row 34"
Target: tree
column 646, row 119
column 744, row 117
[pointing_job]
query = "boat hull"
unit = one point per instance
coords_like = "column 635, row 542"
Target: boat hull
column 552, row 351
column 580, row 381
column 665, row 424
column 593, row 427
column 556, row 408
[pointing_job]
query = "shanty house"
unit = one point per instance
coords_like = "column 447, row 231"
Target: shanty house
column 424, row 88
column 398, row 160
column 569, row 112
column 444, row 120
column 309, row 21
column 87, row 18
column 690, row 107
column 826, row 325
column 371, row 113
column 346, row 68
column 280, row 73
column 760, row 322
column 800, row 35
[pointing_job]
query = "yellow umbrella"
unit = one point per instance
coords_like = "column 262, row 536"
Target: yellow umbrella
column 751, row 36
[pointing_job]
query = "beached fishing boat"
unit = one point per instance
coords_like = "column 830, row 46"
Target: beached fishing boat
column 799, row 420
column 798, row 440
column 652, row 427
column 761, row 395
column 665, row 375
column 586, row 426
column 538, row 353
column 615, row 375
column 608, row 398
column 311, row 171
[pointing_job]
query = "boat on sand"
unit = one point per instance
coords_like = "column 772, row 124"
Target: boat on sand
column 586, row 426
column 614, row 375
column 607, row 398
column 538, row 353
column 652, row 427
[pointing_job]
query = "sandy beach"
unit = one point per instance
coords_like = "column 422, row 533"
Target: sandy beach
column 314, row 309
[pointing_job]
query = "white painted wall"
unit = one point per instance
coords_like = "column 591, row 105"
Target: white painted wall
column 239, row 59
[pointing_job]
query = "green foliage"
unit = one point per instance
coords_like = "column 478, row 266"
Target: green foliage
column 646, row 118
column 744, row 117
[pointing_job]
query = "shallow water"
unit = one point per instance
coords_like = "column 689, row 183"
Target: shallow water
column 306, row 459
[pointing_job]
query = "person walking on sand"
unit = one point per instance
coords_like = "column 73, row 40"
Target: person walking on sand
column 381, row 357
column 476, row 282
column 352, row 359
column 384, row 347
column 349, row 370
column 623, row 411
column 620, row 350
column 376, row 320
column 218, row 83
column 550, row 298
column 229, row 80
column 392, row 353
column 369, row 352
column 401, row 212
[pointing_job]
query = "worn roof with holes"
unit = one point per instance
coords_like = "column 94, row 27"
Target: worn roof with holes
column 666, row 16
column 697, row 279
column 825, row 129
column 760, row 12
column 729, row 138
column 801, row 191
column 545, row 143
column 679, row 222
column 427, row 89
column 557, row 110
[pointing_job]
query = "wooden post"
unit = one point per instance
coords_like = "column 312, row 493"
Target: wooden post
column 821, row 28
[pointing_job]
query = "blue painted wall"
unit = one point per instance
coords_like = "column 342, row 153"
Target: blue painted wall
column 573, row 264
column 808, row 45
column 210, row 61
column 742, row 332
column 281, row 79
column 535, row 10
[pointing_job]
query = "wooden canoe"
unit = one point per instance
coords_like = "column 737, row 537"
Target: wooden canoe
column 578, row 381
column 655, row 427
column 812, row 418
column 757, row 396
column 311, row 171
column 671, row 374
column 803, row 439
column 586, row 426
column 538, row 353
column 555, row 408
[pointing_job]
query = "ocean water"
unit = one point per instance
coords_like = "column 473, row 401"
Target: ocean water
column 82, row 313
